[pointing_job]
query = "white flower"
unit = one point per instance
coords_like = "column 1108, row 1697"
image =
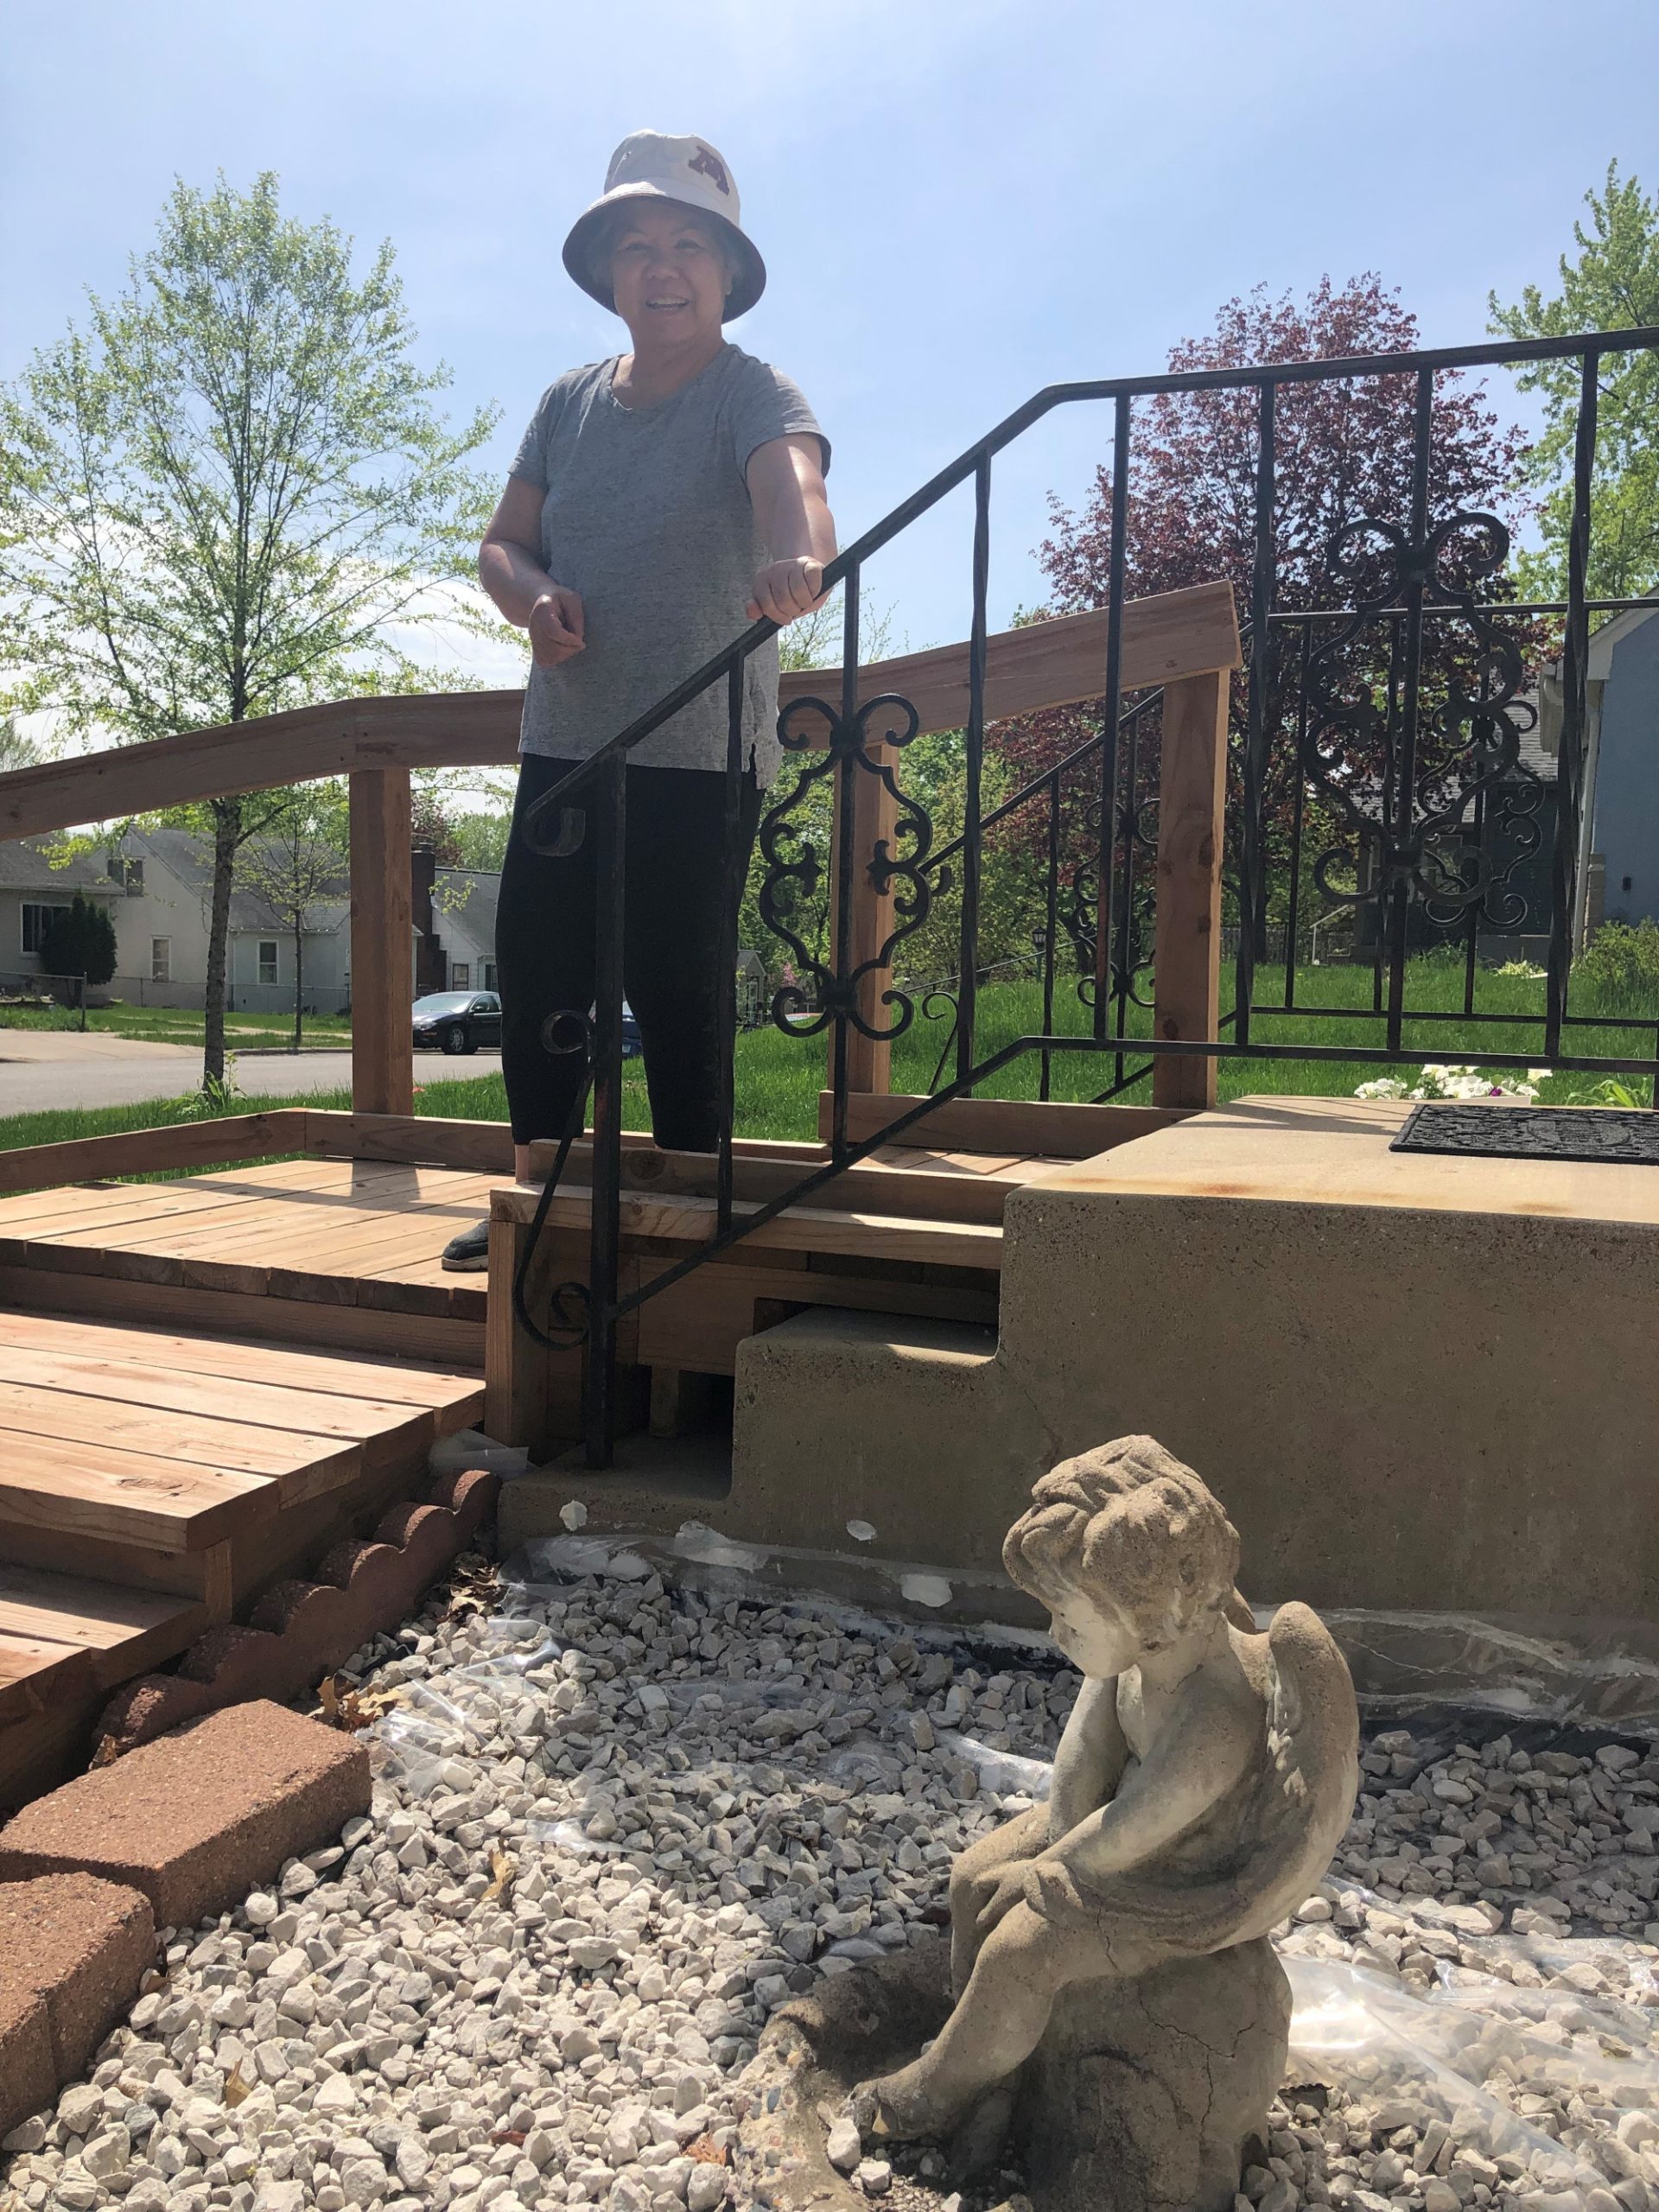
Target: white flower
column 1385, row 1086
column 1540, row 1075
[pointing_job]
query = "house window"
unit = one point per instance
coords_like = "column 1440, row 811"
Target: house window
column 486, row 976
column 161, row 960
column 37, row 920
column 267, row 959
column 461, row 975
column 132, row 879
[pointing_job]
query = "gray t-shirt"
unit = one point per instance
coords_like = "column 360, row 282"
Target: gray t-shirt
column 648, row 517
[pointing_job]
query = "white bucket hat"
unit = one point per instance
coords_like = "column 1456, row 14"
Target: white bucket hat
column 648, row 165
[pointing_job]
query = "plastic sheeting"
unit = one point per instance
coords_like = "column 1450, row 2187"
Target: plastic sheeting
column 1594, row 1675
column 1459, row 2053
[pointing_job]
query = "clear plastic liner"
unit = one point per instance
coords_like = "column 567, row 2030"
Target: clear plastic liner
column 1383, row 2044
column 470, row 1448
column 1598, row 1674
column 1591, row 1674
column 568, row 1834
column 1005, row 1772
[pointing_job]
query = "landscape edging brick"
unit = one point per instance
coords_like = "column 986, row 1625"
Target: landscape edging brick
column 73, row 1948
column 300, row 1631
column 148, row 1820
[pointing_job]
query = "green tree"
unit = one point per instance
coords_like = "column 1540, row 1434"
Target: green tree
column 215, row 496
column 81, row 941
column 1612, row 284
column 17, row 751
column 300, row 860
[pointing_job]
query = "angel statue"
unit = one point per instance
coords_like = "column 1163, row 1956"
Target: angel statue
column 1202, row 1784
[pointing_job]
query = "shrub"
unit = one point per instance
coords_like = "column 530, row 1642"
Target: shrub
column 81, row 941
column 1621, row 961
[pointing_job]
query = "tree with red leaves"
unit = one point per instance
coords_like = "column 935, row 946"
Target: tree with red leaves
column 1343, row 451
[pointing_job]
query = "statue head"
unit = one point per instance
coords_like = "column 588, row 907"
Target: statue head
column 1127, row 1549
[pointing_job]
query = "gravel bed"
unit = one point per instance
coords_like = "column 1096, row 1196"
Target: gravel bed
column 615, row 1825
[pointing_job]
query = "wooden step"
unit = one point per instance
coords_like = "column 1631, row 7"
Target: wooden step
column 175, row 1445
column 65, row 1643
column 118, row 1633
column 690, row 1220
column 125, row 1497
column 455, row 1401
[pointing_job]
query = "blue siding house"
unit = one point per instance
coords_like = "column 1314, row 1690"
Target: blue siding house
column 1621, row 815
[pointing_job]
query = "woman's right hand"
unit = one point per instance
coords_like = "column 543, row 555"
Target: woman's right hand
column 556, row 627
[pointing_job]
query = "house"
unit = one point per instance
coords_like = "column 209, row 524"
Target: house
column 33, row 888
column 455, row 915
column 163, row 880
column 1508, row 830
column 1618, row 855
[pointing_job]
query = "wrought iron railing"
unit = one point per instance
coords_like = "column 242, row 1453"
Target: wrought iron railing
column 1418, row 815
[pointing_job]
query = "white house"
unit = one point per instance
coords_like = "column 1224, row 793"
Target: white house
column 161, row 934
column 157, row 886
column 463, row 922
column 1618, row 852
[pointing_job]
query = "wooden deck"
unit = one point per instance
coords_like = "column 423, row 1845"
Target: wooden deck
column 205, row 1382
column 152, row 1483
column 337, row 1252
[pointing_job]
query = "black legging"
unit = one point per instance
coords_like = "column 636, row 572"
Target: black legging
column 544, row 947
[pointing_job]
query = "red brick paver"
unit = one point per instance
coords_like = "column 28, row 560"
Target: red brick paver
column 201, row 1816
column 73, row 1949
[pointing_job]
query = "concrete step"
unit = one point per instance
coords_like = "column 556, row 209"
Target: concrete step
column 844, row 1418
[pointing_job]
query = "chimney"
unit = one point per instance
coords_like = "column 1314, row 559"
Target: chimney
column 429, row 953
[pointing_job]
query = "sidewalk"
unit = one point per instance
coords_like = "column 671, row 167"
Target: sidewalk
column 38, row 1047
column 118, row 1071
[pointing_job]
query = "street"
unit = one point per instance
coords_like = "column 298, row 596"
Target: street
column 41, row 1070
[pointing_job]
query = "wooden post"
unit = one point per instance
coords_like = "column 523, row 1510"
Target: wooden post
column 383, row 1041
column 1191, row 797
column 875, row 813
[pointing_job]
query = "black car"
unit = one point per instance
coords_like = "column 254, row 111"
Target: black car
column 457, row 1021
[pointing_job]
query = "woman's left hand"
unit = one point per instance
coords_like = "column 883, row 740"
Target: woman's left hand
column 784, row 589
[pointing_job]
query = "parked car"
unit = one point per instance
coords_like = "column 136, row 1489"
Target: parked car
column 457, row 1021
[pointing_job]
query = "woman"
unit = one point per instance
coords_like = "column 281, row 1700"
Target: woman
column 657, row 499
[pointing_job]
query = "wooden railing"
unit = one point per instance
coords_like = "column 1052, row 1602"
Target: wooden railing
column 1186, row 640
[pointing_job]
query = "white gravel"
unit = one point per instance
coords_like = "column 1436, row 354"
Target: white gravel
column 612, row 1833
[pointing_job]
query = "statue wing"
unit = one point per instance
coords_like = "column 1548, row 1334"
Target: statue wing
column 1312, row 1732
column 1293, row 1819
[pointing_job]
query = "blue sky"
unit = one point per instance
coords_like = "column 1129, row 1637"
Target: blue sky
column 958, row 202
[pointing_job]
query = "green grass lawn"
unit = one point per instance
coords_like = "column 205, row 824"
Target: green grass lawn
column 164, row 1025
column 778, row 1078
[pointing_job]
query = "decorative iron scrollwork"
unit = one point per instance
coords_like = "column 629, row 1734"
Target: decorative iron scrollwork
column 1131, row 957
column 795, row 869
column 1419, row 834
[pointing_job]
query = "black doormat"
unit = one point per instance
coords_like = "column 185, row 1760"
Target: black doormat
column 1594, row 1132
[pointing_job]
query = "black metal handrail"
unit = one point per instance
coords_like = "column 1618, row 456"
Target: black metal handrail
column 1446, row 844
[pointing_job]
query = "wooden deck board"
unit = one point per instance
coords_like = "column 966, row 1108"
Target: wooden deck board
column 330, row 1374
column 208, row 1440
column 34, row 1671
column 125, row 1497
column 123, row 1631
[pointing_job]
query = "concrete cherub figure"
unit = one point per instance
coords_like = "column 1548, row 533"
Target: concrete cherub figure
column 1203, row 1781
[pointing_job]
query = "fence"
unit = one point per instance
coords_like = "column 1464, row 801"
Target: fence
column 30, row 989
